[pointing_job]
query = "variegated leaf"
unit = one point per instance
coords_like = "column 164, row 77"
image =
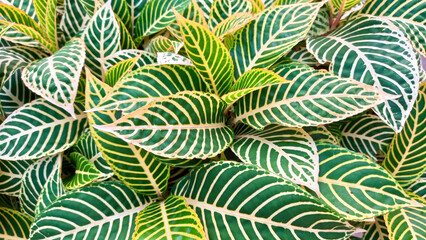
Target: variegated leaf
column 169, row 58
column 338, row 7
column 222, row 9
column 288, row 2
column 25, row 5
column 46, row 14
column 376, row 230
column 85, row 172
column 135, row 8
column 73, row 21
column 304, row 56
column 232, row 24
column 419, row 187
column 14, row 224
column 119, row 70
column 11, row 173
column 321, row 133
column 146, row 58
column 205, row 6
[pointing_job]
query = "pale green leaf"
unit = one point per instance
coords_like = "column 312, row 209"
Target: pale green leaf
column 25, row 5
column 222, row 9
column 14, row 225
column 46, row 13
column 85, row 172
column 119, row 70
column 232, row 24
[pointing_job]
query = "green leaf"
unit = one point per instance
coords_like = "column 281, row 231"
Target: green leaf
column 43, row 130
column 356, row 187
column 367, row 134
column 186, row 125
column 46, row 13
column 371, row 54
column 409, row 16
column 122, row 11
column 288, row 152
column 216, row 66
column 135, row 8
column 126, row 40
column 222, row 9
column 405, row 159
column 376, row 230
column 312, row 98
column 11, row 176
column 13, row 224
column 302, row 55
column 119, row 70
column 146, row 58
column 134, row 166
column 13, row 14
column 102, row 39
column 75, row 18
column 56, row 78
column 25, row 5
column 157, row 15
column 248, row 201
column 321, row 25
column 169, row 58
column 232, row 24
column 169, row 219
column 274, row 32
column 321, row 133
column 342, row 5
column 288, row 2
column 85, row 172
column 91, row 212
column 35, row 180
column 150, row 83
column 161, row 44
column 205, row 6
column 419, row 187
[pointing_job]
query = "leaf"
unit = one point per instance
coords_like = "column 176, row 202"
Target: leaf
column 91, row 212
column 126, row 40
column 222, row 9
column 247, row 201
column 345, row 5
column 56, row 78
column 135, row 8
column 205, row 6
column 14, row 93
column 186, row 125
column 287, row 152
column 376, row 230
column 134, row 166
column 26, row 5
column 356, row 187
column 169, row 219
column 303, row 56
column 149, row 83
column 102, row 39
column 13, row 14
column 367, row 134
column 419, row 187
column 301, row 102
column 13, row 224
column 122, row 11
column 409, row 16
column 321, row 25
column 288, row 2
column 161, row 44
column 11, row 176
column 405, row 159
column 34, row 181
column 85, row 172
column 157, row 15
column 145, row 58
column 216, row 66
column 232, row 24
column 75, row 18
column 379, row 64
column 169, row 58
column 43, row 130
column 46, row 13
column 116, row 72
column 321, row 133
column 271, row 35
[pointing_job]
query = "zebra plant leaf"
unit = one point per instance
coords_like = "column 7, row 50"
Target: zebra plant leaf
column 14, row 224
column 222, row 9
column 405, row 159
column 232, row 24
column 149, row 83
column 91, row 212
column 134, row 166
column 271, row 35
column 26, row 5
column 75, row 18
column 116, row 72
column 169, row 219
column 102, row 39
column 340, row 6
column 367, row 134
column 313, row 97
column 419, row 187
column 288, row 2
column 56, row 78
column 135, row 8
column 288, row 152
column 40, row 123
column 85, row 172
column 216, row 66
column 46, row 14
column 176, row 126
column 248, row 201
column 205, row 6
column 145, row 58
column 376, row 230
column 356, row 187
column 11, row 176
column 355, row 57
column 13, row 14
column 322, row 133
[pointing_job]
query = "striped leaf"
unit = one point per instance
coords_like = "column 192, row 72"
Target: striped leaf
column 367, row 134
column 353, row 55
column 116, row 72
column 356, row 187
column 11, row 176
column 101, row 211
column 248, row 201
column 405, row 159
column 146, row 58
column 232, row 24
column 46, row 14
column 322, row 133
column 34, row 181
column 409, row 16
column 92, row 6
column 321, row 25
column 13, row 202
column 135, row 8
column 169, row 219
column 182, row 163
column 26, row 5
column 85, row 172
column 340, row 6
column 43, row 130
column 13, row 14
column 288, row 2
column 56, row 78
column 126, row 40
column 102, row 39
column 257, row 5
column 122, row 12
column 205, row 6
column 271, row 35
column 169, row 58
column 13, row 224
column 288, row 152
column 160, row 44
column 150, row 83
column 186, row 125
column 376, row 230
column 134, row 166
column 312, row 98
column 222, row 9
column 157, row 15
column 419, row 187
column 216, row 66
column 303, row 56
column 14, row 93
column 74, row 19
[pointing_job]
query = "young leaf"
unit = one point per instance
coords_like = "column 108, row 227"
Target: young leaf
column 46, row 13
column 56, row 78
column 14, row 225
column 222, row 9
column 169, row 219
column 11, row 176
column 85, row 172
column 116, row 72
column 248, row 201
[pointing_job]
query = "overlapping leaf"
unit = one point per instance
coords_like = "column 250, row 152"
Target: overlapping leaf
column 116, row 72
column 340, row 6
column 11, row 176
column 222, row 9
column 135, row 8
column 145, row 58
column 85, row 172
column 46, row 14
column 232, row 24
column 376, row 230
column 74, row 19
column 25, row 5
column 419, row 187
column 14, row 224
column 322, row 133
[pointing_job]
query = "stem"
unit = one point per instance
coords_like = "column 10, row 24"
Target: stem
column 339, row 15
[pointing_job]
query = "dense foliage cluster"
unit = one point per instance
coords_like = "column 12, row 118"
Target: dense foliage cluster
column 212, row 119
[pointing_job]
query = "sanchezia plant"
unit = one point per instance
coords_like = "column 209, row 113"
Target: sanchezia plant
column 212, row 119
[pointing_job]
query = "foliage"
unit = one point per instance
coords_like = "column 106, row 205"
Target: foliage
column 212, row 119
